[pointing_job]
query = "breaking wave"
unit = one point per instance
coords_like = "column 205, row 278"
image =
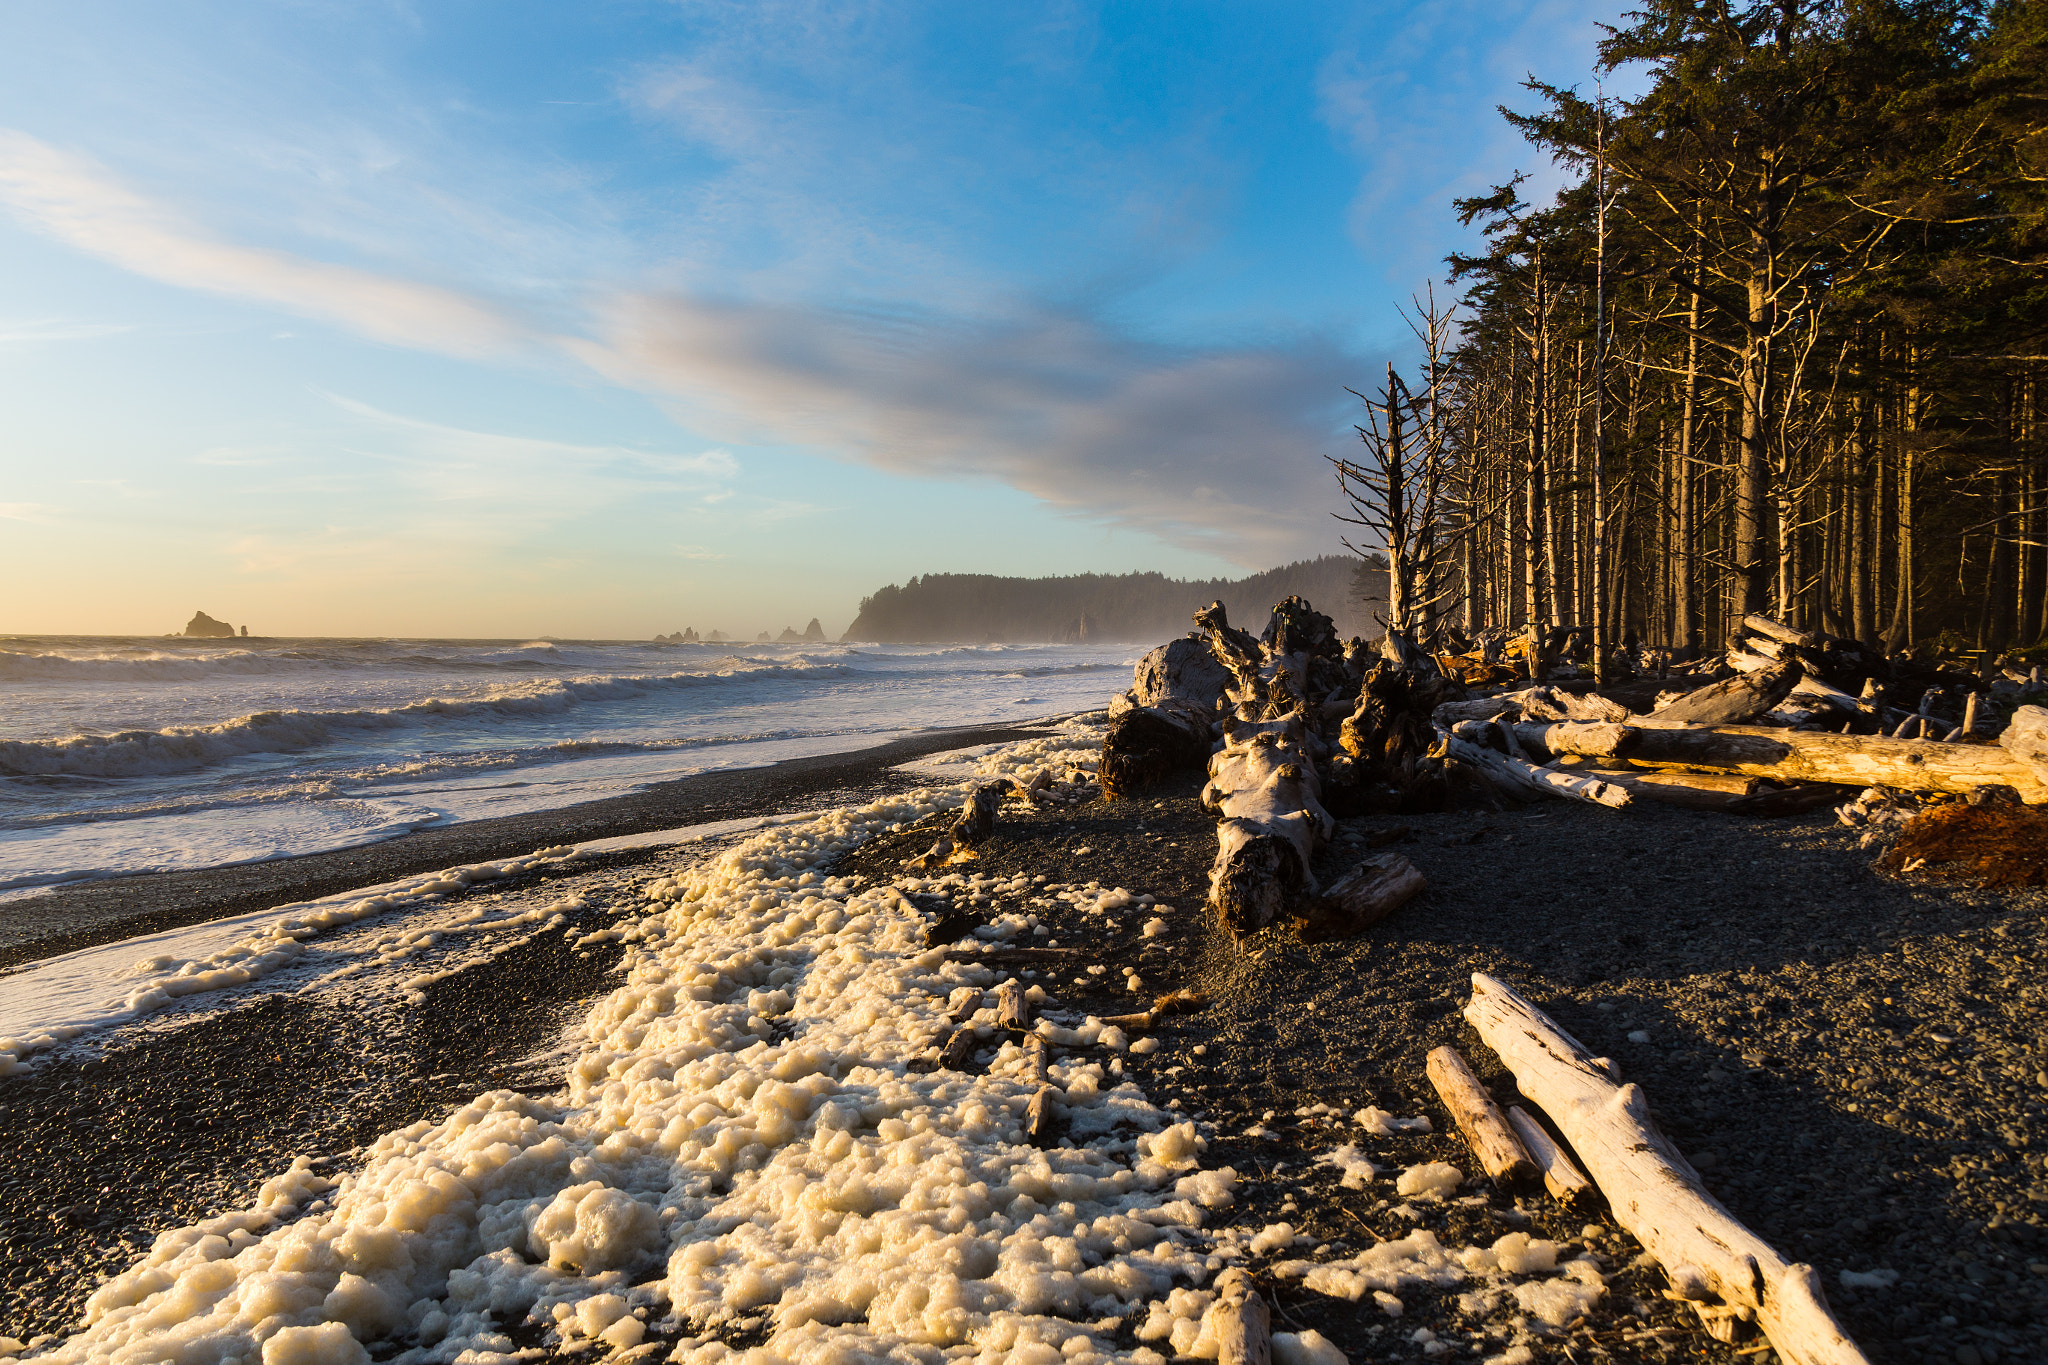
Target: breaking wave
column 185, row 747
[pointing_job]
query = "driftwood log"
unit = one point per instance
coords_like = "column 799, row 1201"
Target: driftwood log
column 1712, row 1260
column 1263, row 787
column 2026, row 740
column 1361, row 898
column 1561, row 1176
column 1038, row 1109
column 1162, row 725
column 977, row 819
column 1694, row 791
column 1591, row 739
column 1520, row 778
column 1238, row 1323
column 1486, row 1129
column 1791, row 756
column 1728, row 702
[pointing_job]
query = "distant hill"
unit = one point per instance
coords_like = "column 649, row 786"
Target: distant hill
column 1137, row 607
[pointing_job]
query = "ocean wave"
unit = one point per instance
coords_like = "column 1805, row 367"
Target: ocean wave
column 182, row 748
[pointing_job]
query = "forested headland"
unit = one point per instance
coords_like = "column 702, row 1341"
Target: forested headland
column 1138, row 607
column 1776, row 347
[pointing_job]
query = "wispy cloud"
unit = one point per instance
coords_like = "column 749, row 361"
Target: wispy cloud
column 1214, row 448
column 34, row 330
column 73, row 199
column 36, row 512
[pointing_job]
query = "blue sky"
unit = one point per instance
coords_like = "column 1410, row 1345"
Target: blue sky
column 611, row 318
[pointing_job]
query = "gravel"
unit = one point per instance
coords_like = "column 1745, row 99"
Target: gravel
column 1856, row 1063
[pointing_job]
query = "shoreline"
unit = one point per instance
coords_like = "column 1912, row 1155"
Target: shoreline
column 90, row 914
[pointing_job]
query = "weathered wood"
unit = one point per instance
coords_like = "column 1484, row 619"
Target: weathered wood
column 999, row 956
column 1037, row 1052
column 2026, row 740
column 1654, row 1192
column 1519, row 777
column 1477, row 708
column 1759, row 624
column 1038, row 1116
column 1728, row 702
column 1561, row 1176
column 1795, row 800
column 1693, row 791
column 1361, row 898
column 1238, row 1323
column 958, row 1049
column 1791, row 756
column 1594, row 739
column 1264, row 787
column 1013, row 1011
column 1485, row 1128
column 1553, row 703
column 1145, row 745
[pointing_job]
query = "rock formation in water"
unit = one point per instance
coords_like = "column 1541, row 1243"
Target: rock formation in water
column 717, row 636
column 788, row 636
column 762, row 638
column 686, row 636
column 814, row 631
column 206, row 628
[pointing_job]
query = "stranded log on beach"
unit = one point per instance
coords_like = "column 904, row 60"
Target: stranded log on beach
column 1850, row 760
column 1728, row 1272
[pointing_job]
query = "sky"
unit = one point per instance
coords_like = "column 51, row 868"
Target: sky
column 608, row 319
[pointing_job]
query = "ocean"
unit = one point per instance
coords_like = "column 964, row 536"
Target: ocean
column 124, row 755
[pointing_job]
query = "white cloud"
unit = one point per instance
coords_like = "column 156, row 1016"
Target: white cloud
column 74, row 200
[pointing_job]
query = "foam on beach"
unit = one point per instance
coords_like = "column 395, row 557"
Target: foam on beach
column 743, row 1148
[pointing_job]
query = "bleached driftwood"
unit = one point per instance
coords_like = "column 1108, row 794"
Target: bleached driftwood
column 1561, row 1176
column 1038, row 1109
column 1711, row 1259
column 1485, row 1128
column 977, row 819
column 2026, row 740
column 1238, row 1323
column 1772, row 629
column 1519, row 777
column 1012, row 1010
column 1694, row 791
column 1593, row 739
column 1790, row 756
column 1728, row 702
column 1361, row 898
column 1554, row 703
column 1162, row 725
column 1263, row 786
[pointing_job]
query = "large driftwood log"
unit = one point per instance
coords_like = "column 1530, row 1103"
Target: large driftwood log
column 1263, row 786
column 1728, row 702
column 1592, row 739
column 1553, row 703
column 1146, row 745
column 1654, row 1191
column 1521, row 778
column 1361, row 898
column 1790, row 756
column 1485, row 1128
column 1772, row 629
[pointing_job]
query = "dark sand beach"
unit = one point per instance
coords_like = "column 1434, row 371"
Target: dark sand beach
column 1855, row 1062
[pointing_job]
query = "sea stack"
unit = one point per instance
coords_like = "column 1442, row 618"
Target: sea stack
column 788, row 636
column 204, row 627
column 814, row 631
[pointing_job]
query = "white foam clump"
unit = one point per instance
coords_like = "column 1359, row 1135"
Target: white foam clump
column 1380, row 1123
column 1307, row 1347
column 742, row 1138
column 1569, row 1296
column 1357, row 1172
column 1274, row 1237
column 1429, row 1180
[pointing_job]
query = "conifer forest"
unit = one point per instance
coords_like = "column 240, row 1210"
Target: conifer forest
column 1777, row 346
